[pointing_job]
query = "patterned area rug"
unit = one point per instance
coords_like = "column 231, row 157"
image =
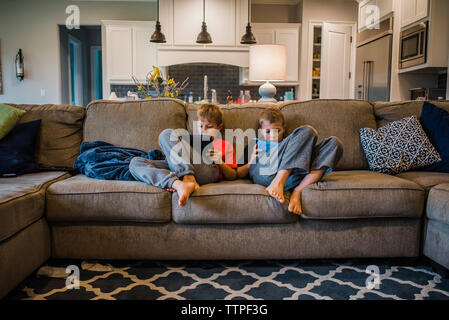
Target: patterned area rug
column 275, row 280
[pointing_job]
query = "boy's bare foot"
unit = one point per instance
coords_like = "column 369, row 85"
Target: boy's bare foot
column 190, row 178
column 184, row 190
column 295, row 202
column 276, row 187
column 276, row 191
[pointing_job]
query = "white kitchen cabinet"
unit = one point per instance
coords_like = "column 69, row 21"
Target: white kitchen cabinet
column 290, row 39
column 413, row 10
column 367, row 15
column 181, row 21
column 119, row 52
column 127, row 50
column 264, row 35
column 284, row 34
column 144, row 52
column 187, row 17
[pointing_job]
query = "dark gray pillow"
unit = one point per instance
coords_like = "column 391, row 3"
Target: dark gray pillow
column 398, row 146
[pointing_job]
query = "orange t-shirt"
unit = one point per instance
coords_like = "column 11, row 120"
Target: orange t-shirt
column 228, row 154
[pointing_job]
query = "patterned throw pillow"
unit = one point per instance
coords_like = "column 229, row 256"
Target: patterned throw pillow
column 398, row 146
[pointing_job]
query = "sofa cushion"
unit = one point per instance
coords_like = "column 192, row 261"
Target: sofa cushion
column 362, row 194
column 231, row 202
column 9, row 117
column 340, row 118
column 22, row 200
column 133, row 124
column 438, row 203
column 398, row 147
column 80, row 198
column 61, row 133
column 17, row 149
column 435, row 122
column 425, row 179
column 386, row 112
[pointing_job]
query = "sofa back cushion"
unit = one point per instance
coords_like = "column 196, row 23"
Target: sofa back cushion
column 340, row 118
column 387, row 112
column 60, row 135
column 134, row 124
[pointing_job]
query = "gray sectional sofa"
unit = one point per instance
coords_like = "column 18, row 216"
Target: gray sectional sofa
column 351, row 213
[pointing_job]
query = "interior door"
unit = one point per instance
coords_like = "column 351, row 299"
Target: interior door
column 336, row 61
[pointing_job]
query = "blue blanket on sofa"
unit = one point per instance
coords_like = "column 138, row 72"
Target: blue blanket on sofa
column 102, row 160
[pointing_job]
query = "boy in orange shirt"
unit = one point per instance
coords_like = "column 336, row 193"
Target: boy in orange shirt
column 182, row 174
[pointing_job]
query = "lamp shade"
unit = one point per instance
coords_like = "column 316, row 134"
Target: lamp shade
column 267, row 62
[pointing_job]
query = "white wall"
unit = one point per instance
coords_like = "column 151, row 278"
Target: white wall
column 321, row 10
column 32, row 25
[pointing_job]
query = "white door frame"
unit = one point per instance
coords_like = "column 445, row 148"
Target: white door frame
column 313, row 23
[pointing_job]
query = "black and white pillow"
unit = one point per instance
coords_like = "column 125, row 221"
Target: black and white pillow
column 398, row 146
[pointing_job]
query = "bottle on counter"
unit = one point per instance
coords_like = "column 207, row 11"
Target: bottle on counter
column 190, row 97
column 241, row 97
column 214, row 96
column 229, row 99
column 247, row 96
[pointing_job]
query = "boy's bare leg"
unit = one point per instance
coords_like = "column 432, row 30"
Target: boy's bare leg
column 276, row 187
column 295, row 199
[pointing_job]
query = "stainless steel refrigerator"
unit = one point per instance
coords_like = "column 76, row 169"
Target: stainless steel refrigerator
column 373, row 64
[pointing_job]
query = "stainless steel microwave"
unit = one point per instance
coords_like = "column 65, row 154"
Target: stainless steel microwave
column 413, row 46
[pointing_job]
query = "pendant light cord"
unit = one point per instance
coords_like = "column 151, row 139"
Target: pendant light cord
column 249, row 9
column 157, row 10
column 204, row 10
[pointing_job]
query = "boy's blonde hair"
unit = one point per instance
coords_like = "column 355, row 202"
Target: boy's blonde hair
column 273, row 115
column 211, row 113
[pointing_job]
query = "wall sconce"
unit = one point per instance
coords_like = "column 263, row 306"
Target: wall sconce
column 20, row 73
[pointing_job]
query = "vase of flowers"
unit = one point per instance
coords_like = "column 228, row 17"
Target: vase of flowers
column 162, row 87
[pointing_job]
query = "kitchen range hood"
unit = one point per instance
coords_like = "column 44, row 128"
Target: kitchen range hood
column 172, row 56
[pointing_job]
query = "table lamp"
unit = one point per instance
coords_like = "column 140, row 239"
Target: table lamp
column 267, row 62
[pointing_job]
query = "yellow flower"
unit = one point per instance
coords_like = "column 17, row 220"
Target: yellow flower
column 171, row 81
column 166, row 94
column 139, row 87
column 148, row 97
column 172, row 95
column 156, row 73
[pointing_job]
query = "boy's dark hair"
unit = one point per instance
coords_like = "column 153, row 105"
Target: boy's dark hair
column 273, row 115
column 211, row 112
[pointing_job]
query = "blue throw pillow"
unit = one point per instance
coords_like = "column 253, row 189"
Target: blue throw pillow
column 17, row 149
column 435, row 122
